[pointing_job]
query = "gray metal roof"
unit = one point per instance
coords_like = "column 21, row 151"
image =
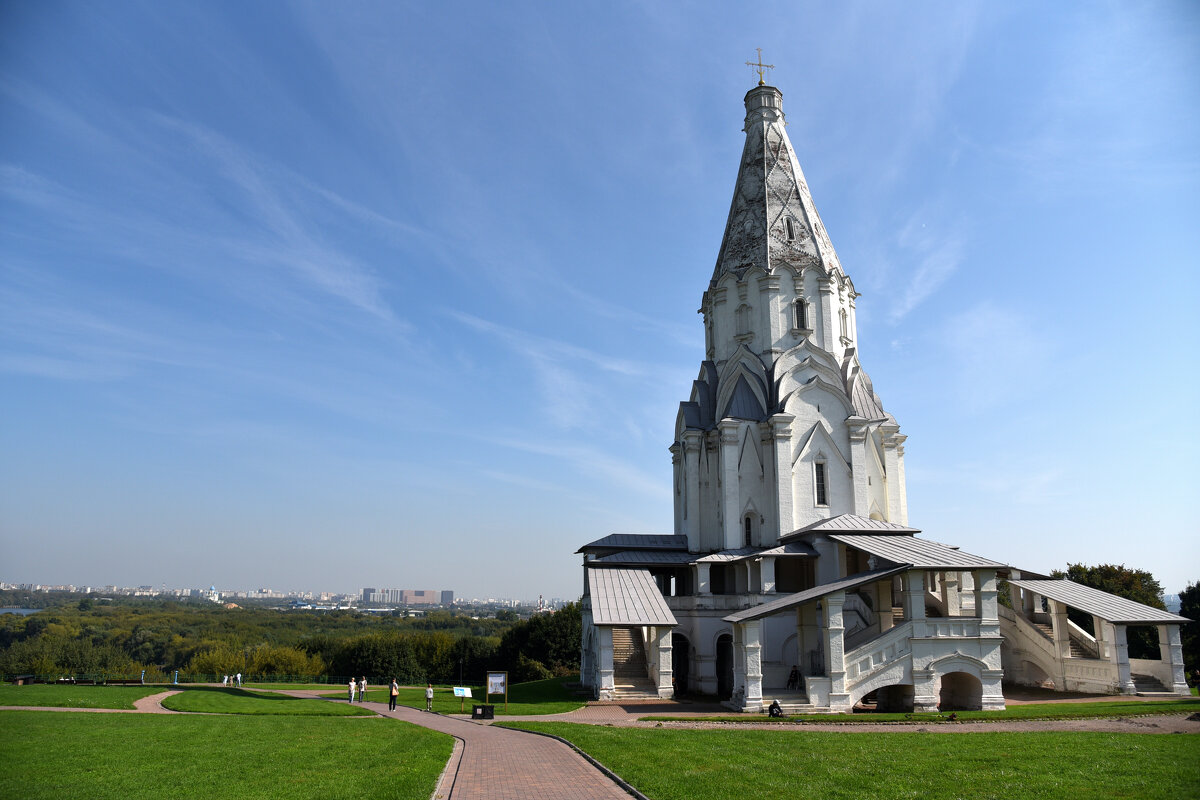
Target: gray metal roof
column 637, row 541
column 627, row 597
column 791, row 549
column 852, row 523
column 813, row 594
column 677, row 557
column 729, row 555
column 920, row 553
column 1102, row 604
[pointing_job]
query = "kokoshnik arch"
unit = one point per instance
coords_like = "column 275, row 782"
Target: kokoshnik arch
column 792, row 572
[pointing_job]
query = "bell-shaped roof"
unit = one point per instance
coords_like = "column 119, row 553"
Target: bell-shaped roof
column 772, row 218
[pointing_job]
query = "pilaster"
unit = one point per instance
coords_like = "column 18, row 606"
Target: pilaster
column 859, row 429
column 1171, row 651
column 730, row 511
column 766, row 570
column 1124, row 676
column 835, row 650
column 781, row 432
column 692, row 442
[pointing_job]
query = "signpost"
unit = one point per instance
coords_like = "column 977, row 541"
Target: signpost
column 462, row 693
column 497, row 683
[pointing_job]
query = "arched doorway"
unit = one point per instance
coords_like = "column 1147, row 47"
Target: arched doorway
column 681, row 659
column 961, row 691
column 725, row 666
column 895, row 699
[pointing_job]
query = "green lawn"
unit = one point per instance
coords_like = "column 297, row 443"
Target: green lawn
column 299, row 687
column 62, row 756
column 53, row 695
column 242, row 701
column 536, row 697
column 1115, row 708
column 672, row 764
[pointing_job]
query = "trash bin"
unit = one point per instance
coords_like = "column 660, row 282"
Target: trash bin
column 483, row 712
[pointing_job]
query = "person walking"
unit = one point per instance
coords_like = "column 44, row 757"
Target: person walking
column 429, row 697
column 362, row 689
column 352, row 690
column 395, row 692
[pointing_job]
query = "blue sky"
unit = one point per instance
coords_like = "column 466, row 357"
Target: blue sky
column 333, row 295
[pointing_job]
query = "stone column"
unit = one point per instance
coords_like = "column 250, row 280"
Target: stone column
column 1171, row 650
column 766, row 570
column 691, row 501
column 781, row 430
column 1124, row 677
column 606, row 687
column 703, row 584
column 665, row 675
column 1062, row 633
column 730, row 505
column 883, row 604
column 914, row 600
column 752, row 638
column 988, row 602
column 739, row 666
column 835, row 650
column 951, row 599
column 1102, row 643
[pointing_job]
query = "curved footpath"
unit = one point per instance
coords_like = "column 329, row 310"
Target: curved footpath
column 500, row 764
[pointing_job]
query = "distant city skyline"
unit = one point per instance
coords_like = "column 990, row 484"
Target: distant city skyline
column 291, row 293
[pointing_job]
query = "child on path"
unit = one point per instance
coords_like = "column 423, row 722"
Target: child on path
column 395, row 691
column 429, row 697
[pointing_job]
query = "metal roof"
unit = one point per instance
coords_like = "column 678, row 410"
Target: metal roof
column 791, row 549
column 815, row 593
column 729, row 555
column 668, row 557
column 919, row 553
column 627, row 597
column 852, row 523
column 1102, row 604
column 638, row 541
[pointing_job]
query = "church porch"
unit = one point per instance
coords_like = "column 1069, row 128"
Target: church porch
column 1043, row 644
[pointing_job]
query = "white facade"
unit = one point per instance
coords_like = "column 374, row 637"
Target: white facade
column 791, row 551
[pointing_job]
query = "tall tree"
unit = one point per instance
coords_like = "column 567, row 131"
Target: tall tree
column 1189, row 606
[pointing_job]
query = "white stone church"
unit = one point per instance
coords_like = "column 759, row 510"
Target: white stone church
column 793, row 573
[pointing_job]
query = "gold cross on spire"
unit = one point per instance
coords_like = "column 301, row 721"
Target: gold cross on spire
column 759, row 67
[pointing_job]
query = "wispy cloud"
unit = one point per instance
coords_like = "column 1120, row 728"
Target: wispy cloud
column 928, row 257
column 599, row 463
column 291, row 243
column 987, row 347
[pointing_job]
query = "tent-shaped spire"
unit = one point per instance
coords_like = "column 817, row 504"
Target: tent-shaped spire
column 772, row 219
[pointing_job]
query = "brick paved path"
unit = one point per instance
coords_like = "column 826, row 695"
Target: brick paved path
column 500, row 764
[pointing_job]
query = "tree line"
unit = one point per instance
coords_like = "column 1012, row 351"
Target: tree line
column 81, row 636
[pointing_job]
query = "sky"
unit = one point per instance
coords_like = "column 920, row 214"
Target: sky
column 321, row 296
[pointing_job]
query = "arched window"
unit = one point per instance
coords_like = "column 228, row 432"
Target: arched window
column 749, row 528
column 801, row 311
column 791, row 232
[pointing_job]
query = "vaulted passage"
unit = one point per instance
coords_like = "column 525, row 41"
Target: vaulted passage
column 960, row 692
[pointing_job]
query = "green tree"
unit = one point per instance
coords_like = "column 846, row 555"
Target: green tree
column 1189, row 606
column 1133, row 584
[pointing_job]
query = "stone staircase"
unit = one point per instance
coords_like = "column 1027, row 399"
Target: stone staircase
column 790, row 701
column 1149, row 685
column 630, row 678
column 1047, row 630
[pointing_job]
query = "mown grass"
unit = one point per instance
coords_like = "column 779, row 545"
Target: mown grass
column 52, row 695
column 215, row 700
column 672, row 764
column 535, row 697
column 299, row 687
column 1032, row 711
column 62, row 756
